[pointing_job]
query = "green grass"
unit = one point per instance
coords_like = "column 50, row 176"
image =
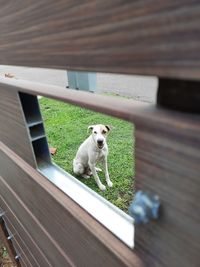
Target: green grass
column 66, row 128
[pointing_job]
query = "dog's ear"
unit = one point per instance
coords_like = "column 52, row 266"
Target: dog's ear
column 90, row 128
column 108, row 127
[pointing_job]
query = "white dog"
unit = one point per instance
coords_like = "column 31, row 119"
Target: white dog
column 94, row 149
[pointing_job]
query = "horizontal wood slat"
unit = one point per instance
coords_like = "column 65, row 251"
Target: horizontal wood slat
column 127, row 109
column 139, row 37
column 119, row 107
column 58, row 225
column 28, row 247
column 5, row 241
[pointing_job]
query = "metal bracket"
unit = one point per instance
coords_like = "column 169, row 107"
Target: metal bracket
column 144, row 207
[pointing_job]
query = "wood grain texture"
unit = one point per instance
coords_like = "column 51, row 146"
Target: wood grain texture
column 28, row 249
column 13, row 131
column 127, row 109
column 139, row 37
column 167, row 157
column 167, row 164
column 62, row 230
column 4, row 241
column 119, row 107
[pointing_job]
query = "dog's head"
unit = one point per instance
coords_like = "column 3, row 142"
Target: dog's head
column 99, row 133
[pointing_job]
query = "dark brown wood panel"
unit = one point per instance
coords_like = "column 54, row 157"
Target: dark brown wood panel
column 5, row 242
column 58, row 225
column 127, row 109
column 21, row 236
column 167, row 164
column 119, row 107
column 13, row 131
column 24, row 261
column 139, row 37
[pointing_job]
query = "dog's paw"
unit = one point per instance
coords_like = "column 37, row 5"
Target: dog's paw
column 85, row 176
column 98, row 169
column 102, row 187
column 110, row 184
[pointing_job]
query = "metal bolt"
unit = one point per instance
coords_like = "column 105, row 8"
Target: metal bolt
column 144, row 207
column 1, row 216
column 17, row 257
column 10, row 237
column 2, row 213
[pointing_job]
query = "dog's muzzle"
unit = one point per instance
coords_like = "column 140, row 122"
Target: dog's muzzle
column 100, row 144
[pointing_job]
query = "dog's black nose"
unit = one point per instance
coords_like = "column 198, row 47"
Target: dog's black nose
column 100, row 142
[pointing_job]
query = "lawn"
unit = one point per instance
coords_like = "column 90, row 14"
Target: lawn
column 66, row 128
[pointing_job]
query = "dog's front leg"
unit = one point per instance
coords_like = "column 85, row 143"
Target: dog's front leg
column 96, row 177
column 105, row 164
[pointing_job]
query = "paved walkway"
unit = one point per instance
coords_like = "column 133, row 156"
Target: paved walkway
column 138, row 87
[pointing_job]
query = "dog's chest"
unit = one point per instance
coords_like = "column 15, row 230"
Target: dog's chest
column 101, row 154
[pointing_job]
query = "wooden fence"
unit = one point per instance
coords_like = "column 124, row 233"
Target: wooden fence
column 159, row 38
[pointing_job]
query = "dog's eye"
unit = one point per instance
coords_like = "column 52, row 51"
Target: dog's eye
column 103, row 132
column 95, row 132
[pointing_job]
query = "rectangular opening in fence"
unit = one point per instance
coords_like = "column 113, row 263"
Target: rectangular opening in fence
column 91, row 160
column 67, row 127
